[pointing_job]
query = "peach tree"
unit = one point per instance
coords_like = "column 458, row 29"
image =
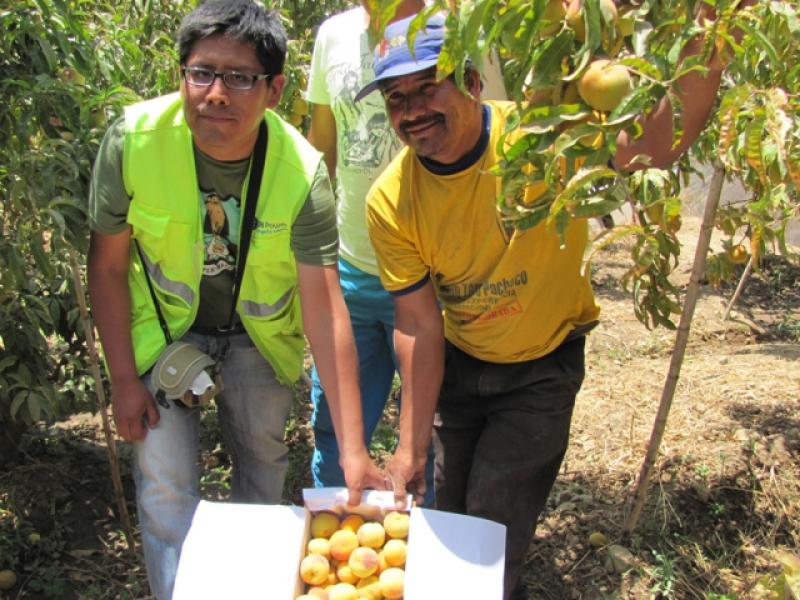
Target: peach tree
column 583, row 70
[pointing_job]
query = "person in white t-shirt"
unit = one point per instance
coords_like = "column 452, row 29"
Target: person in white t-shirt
column 358, row 142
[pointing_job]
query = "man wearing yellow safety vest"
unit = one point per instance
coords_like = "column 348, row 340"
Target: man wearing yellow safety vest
column 169, row 261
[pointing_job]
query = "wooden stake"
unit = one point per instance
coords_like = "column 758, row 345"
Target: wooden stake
column 739, row 288
column 94, row 366
column 679, row 350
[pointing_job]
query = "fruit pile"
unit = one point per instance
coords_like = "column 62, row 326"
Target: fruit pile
column 355, row 559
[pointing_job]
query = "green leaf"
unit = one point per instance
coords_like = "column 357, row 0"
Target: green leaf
column 546, row 68
column 596, row 206
column 8, row 361
column 519, row 147
column 16, row 403
column 756, row 35
column 35, row 406
column 541, row 119
column 753, row 153
column 49, row 53
column 586, row 176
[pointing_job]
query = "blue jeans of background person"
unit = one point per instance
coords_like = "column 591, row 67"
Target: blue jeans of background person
column 252, row 412
column 372, row 317
column 500, row 434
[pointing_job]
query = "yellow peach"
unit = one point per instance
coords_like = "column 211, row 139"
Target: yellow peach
column 396, row 524
column 319, row 546
column 345, row 573
column 604, row 84
column 370, row 587
column 363, row 562
column 394, row 552
column 382, row 564
column 317, row 592
column 371, row 535
column 392, row 581
column 343, row 542
column 343, row 591
column 324, row 524
column 314, row 569
column 352, row 522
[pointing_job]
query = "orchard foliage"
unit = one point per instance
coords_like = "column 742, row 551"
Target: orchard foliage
column 548, row 46
column 66, row 70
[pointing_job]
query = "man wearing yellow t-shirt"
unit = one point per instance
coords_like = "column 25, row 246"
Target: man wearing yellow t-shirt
column 497, row 370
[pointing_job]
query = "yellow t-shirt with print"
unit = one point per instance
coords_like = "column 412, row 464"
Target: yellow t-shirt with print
column 507, row 295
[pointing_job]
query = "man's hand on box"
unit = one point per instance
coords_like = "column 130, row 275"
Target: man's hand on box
column 360, row 473
column 406, row 475
column 134, row 409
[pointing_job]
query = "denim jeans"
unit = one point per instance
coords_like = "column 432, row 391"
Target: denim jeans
column 372, row 317
column 252, row 412
column 500, row 434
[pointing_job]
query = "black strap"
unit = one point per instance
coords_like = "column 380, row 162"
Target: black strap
column 248, row 221
column 161, row 320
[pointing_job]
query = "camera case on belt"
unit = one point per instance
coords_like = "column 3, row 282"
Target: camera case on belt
column 184, row 373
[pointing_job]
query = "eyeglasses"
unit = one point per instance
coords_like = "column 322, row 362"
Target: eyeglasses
column 233, row 80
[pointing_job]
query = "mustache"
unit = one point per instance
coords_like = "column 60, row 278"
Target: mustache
column 215, row 113
column 435, row 118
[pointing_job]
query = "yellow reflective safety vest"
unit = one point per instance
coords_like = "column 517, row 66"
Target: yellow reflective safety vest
column 165, row 217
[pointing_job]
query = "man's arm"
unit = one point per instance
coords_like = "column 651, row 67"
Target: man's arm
column 697, row 93
column 322, row 135
column 327, row 327
column 108, row 290
column 419, row 346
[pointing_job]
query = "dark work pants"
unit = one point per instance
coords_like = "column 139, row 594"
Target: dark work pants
column 500, row 434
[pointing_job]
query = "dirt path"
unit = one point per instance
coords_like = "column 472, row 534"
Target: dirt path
column 726, row 493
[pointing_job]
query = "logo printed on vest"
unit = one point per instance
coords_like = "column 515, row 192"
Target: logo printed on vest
column 267, row 228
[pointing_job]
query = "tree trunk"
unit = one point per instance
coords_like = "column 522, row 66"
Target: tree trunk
column 679, row 350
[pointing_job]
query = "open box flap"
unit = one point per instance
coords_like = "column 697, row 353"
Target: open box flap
column 241, row 551
column 334, row 499
column 443, row 545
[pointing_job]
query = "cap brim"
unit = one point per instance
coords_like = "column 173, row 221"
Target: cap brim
column 398, row 71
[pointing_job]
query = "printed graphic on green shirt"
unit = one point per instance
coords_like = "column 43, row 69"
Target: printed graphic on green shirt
column 220, row 230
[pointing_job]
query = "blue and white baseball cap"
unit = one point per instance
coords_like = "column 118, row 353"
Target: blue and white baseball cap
column 393, row 57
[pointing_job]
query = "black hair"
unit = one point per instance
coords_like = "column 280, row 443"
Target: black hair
column 241, row 20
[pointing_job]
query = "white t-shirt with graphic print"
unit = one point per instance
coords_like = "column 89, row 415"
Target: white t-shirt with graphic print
column 340, row 66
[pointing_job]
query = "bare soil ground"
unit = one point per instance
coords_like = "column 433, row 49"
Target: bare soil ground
column 725, row 497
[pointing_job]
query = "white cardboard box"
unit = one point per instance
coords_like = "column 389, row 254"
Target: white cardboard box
column 253, row 551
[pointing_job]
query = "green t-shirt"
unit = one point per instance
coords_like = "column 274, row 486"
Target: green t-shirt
column 314, row 239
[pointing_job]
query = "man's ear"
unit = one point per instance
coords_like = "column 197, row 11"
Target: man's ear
column 474, row 84
column 275, row 89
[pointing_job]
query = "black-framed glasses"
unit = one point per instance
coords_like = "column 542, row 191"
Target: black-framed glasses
column 233, row 80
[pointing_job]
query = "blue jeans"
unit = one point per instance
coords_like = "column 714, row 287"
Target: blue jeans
column 372, row 317
column 252, row 412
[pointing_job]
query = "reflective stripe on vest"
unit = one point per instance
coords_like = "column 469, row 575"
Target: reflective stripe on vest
column 255, row 309
column 176, row 288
